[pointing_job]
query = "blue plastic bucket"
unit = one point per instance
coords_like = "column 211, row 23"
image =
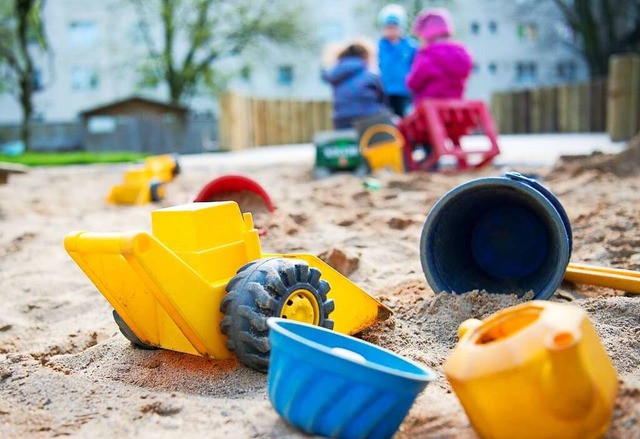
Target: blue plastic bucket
column 334, row 385
column 505, row 235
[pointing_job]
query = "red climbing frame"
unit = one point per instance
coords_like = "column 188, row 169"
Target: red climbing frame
column 442, row 123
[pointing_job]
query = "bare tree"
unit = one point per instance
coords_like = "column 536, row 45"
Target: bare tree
column 602, row 28
column 195, row 34
column 20, row 27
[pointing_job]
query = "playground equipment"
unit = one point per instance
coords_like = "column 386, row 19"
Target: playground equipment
column 230, row 184
column 533, row 370
column 145, row 183
column 506, row 235
column 437, row 126
column 333, row 385
column 200, row 284
column 625, row 280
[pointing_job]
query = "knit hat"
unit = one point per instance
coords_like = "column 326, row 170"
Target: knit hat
column 392, row 15
column 433, row 23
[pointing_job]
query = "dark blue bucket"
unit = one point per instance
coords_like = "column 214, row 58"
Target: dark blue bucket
column 505, row 235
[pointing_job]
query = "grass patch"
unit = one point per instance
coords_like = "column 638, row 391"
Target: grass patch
column 72, row 158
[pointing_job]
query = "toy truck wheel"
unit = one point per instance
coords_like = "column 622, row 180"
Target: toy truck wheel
column 157, row 191
column 363, row 169
column 276, row 287
column 129, row 334
column 321, row 172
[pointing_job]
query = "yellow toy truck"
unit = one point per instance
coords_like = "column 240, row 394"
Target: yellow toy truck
column 145, row 183
column 200, row 284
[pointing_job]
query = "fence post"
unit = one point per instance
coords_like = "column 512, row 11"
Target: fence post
column 623, row 120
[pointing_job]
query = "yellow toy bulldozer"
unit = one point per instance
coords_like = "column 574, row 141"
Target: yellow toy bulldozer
column 200, row 284
column 146, row 182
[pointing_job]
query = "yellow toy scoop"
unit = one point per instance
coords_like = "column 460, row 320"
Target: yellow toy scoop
column 616, row 278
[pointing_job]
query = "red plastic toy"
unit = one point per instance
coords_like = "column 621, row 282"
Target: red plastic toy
column 233, row 183
column 441, row 124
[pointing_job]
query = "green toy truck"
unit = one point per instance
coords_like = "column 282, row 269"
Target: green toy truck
column 338, row 151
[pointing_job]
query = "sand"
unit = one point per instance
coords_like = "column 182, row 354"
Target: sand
column 65, row 369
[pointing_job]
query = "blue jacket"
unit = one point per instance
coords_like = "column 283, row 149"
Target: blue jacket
column 356, row 91
column 395, row 63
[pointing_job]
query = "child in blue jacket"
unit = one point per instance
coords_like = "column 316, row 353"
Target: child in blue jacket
column 357, row 92
column 395, row 56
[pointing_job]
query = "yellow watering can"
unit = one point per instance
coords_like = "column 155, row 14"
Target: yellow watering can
column 535, row 370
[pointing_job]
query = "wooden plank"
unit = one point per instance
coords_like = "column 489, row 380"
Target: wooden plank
column 549, row 110
column 584, row 107
column 225, row 121
column 270, row 121
column 634, row 110
column 597, row 107
column 521, row 112
column 620, row 97
column 327, row 110
column 296, row 122
column 564, row 108
column 536, row 110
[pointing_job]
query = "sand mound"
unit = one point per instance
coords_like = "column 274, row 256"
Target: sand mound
column 624, row 164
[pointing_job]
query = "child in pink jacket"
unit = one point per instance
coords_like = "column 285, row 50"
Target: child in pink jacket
column 442, row 66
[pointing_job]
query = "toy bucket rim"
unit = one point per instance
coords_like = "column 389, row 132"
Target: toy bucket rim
column 428, row 375
column 547, row 204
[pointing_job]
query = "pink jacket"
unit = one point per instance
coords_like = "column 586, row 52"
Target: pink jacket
column 440, row 70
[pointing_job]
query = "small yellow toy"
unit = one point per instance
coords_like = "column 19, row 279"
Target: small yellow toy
column 387, row 153
column 535, row 370
column 200, row 284
column 145, row 183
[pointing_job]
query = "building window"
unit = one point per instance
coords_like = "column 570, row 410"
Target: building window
column 526, row 72
column 285, row 75
column 527, row 32
column 567, row 70
column 493, row 68
column 475, row 27
column 36, row 80
column 84, row 78
column 493, row 27
column 83, row 33
column 245, row 73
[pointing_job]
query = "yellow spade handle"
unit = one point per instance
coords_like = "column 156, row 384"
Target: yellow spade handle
column 380, row 128
column 615, row 278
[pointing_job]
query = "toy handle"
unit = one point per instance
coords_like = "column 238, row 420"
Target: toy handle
column 376, row 129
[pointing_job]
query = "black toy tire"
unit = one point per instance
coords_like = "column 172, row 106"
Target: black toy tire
column 129, row 334
column 177, row 170
column 363, row 169
column 154, row 188
column 258, row 291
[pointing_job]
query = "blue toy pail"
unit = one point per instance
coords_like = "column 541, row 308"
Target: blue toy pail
column 334, row 385
column 505, row 235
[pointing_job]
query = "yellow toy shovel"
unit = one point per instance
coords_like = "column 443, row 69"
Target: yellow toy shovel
column 616, row 278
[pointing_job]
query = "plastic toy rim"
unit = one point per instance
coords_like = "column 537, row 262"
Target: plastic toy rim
column 434, row 214
column 277, row 324
column 305, row 301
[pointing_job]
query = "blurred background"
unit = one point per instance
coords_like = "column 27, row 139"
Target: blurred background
column 203, row 75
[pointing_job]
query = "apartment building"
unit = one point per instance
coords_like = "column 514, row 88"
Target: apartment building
column 97, row 47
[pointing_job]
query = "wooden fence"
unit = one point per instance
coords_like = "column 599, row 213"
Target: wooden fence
column 561, row 109
column 611, row 105
column 246, row 122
